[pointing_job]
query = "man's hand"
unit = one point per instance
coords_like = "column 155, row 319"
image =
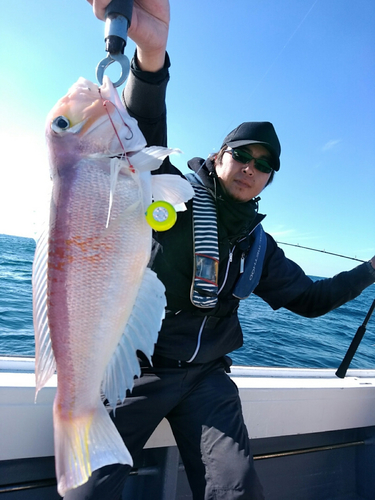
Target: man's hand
column 99, row 7
column 149, row 30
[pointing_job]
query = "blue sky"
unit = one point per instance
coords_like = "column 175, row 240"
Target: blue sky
column 308, row 66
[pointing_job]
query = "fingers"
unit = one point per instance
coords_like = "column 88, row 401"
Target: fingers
column 99, row 7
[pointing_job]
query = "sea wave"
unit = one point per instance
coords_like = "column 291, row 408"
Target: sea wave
column 271, row 338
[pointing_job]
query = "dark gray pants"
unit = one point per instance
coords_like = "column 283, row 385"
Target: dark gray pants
column 203, row 408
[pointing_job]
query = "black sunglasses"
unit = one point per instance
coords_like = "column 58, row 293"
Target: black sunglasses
column 244, row 157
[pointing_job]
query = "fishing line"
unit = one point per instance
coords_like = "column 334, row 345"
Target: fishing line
column 116, row 166
column 321, row 251
column 105, row 102
column 284, row 47
column 342, row 369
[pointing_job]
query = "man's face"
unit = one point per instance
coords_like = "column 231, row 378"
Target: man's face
column 243, row 182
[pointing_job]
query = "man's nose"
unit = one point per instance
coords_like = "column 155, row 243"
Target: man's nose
column 249, row 168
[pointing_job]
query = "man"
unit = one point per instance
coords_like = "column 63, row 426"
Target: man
column 188, row 383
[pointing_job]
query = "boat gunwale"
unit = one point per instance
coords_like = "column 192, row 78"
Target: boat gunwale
column 26, row 364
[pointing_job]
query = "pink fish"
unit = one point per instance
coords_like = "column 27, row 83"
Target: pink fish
column 95, row 301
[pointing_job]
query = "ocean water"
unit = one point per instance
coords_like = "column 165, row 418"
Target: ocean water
column 272, row 338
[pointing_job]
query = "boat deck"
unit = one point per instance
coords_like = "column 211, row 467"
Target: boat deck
column 325, row 466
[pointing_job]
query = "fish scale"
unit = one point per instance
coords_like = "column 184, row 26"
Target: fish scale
column 96, row 260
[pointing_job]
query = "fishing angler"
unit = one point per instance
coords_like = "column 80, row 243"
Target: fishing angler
column 216, row 254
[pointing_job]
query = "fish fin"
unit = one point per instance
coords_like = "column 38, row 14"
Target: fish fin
column 116, row 164
column 45, row 364
column 154, row 251
column 150, row 158
column 171, row 188
column 180, row 207
column 141, row 333
column 85, row 444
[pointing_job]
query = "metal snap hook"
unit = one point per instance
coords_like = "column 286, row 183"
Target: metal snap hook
column 107, row 61
column 118, row 14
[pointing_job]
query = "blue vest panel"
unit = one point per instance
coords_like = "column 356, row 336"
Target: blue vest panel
column 253, row 265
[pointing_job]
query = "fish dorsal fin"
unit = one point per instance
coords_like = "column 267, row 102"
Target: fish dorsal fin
column 171, row 188
column 141, row 333
column 45, row 364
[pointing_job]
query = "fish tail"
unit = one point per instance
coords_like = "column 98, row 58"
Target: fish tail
column 84, row 444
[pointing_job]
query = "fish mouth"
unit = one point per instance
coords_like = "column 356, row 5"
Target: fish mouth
column 90, row 126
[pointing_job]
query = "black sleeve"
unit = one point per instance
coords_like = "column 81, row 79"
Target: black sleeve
column 282, row 279
column 327, row 294
column 284, row 284
column 144, row 99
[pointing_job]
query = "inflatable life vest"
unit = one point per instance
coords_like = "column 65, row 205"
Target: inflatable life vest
column 204, row 289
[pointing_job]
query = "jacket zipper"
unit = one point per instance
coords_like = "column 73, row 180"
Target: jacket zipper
column 198, row 341
column 230, row 260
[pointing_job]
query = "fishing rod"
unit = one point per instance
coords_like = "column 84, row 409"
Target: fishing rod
column 321, row 251
column 341, row 371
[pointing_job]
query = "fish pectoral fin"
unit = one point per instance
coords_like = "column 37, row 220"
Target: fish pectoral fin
column 116, row 165
column 171, row 188
column 150, row 158
column 45, row 364
column 84, row 444
column 141, row 333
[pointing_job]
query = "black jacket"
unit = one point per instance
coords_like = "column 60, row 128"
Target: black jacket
column 192, row 334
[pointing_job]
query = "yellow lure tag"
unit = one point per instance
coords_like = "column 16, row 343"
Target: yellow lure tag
column 161, row 215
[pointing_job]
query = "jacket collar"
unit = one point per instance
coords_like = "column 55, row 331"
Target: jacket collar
column 205, row 169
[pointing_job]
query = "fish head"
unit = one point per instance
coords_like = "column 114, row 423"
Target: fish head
column 91, row 121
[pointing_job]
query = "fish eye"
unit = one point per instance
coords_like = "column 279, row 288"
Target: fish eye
column 60, row 124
